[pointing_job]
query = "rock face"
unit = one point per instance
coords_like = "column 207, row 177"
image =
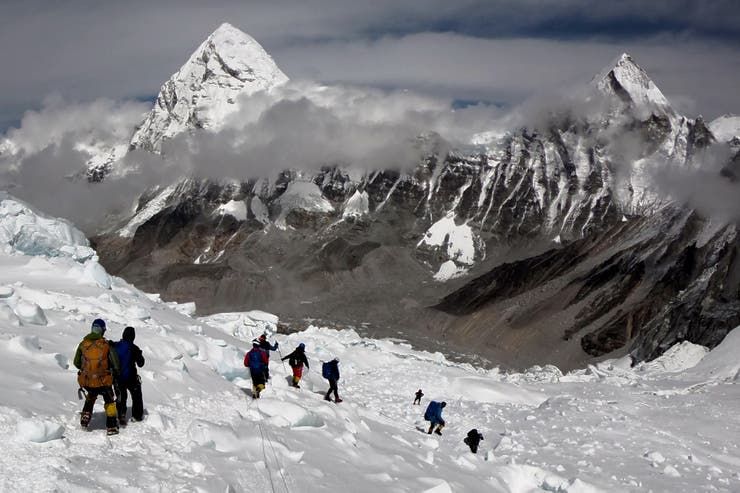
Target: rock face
column 549, row 245
column 641, row 286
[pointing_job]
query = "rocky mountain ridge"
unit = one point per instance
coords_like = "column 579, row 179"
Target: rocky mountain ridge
column 548, row 244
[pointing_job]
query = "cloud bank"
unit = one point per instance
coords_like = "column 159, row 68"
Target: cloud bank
column 491, row 50
column 301, row 126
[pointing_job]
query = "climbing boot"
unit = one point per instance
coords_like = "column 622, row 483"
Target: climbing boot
column 85, row 418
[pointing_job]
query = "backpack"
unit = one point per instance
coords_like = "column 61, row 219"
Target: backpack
column 295, row 360
column 95, row 371
column 255, row 360
column 326, row 370
column 431, row 412
column 126, row 357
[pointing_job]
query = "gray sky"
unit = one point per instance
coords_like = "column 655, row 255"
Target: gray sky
column 466, row 50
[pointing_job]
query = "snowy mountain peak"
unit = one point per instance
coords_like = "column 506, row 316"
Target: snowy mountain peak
column 625, row 79
column 239, row 55
column 229, row 31
column 228, row 64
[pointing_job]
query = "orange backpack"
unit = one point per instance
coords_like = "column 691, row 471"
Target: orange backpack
column 95, row 370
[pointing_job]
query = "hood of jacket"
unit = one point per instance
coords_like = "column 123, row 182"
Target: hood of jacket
column 129, row 334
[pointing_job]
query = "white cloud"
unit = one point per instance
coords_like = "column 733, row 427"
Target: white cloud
column 300, row 126
column 306, row 126
column 697, row 76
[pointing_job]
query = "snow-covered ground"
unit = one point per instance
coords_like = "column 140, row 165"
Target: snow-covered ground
column 458, row 243
column 670, row 425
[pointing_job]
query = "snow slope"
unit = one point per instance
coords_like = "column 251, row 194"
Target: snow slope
column 725, row 128
column 604, row 428
column 456, row 242
column 234, row 208
column 358, row 205
column 304, row 196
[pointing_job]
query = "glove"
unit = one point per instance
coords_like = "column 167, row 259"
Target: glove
column 276, row 344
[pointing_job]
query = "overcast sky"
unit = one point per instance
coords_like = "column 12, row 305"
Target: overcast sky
column 497, row 51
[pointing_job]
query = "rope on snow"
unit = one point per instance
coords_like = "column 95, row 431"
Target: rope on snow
column 264, row 432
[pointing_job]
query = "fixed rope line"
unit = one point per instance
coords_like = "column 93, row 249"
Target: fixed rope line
column 264, row 454
column 277, row 460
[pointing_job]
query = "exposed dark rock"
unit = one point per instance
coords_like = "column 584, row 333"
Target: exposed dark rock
column 512, row 279
column 339, row 254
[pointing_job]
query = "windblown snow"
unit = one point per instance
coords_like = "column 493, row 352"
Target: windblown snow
column 668, row 426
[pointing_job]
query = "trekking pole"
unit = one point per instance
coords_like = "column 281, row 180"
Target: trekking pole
column 281, row 359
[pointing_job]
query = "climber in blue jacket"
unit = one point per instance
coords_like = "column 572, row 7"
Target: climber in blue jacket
column 433, row 414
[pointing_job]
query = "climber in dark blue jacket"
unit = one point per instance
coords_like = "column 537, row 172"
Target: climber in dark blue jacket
column 330, row 371
column 433, row 414
column 128, row 381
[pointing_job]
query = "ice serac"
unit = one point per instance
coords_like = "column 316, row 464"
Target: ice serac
column 23, row 230
column 207, row 87
column 627, row 81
